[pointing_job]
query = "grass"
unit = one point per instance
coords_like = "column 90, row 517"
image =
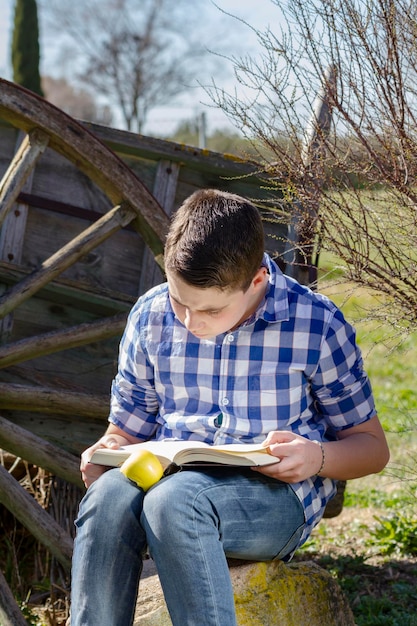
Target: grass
column 376, row 572
column 371, row 547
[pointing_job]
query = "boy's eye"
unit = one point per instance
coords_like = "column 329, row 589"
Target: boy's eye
column 212, row 312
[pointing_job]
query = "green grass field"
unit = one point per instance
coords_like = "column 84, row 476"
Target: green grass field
column 390, row 358
column 371, row 547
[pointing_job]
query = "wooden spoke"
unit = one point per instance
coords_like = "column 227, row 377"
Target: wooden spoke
column 58, row 340
column 20, row 168
column 94, row 235
column 25, row 508
column 36, row 450
column 45, row 400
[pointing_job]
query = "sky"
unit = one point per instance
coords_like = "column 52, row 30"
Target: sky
column 258, row 13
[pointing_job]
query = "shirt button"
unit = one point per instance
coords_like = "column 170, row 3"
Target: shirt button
column 225, row 401
column 230, row 338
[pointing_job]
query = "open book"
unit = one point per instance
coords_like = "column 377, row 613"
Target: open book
column 189, row 452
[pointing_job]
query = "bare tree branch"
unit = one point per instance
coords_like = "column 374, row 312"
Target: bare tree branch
column 366, row 173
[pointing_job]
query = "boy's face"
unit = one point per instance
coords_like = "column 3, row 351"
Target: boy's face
column 210, row 312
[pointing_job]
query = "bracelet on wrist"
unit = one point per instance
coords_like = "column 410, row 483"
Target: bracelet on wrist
column 323, row 456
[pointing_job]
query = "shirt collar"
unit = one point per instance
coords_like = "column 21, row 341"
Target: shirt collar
column 274, row 307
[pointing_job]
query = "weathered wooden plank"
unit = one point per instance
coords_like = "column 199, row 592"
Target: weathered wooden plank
column 37, row 451
column 12, row 233
column 9, row 136
column 164, row 190
column 199, row 168
column 114, row 264
column 58, row 340
column 45, row 400
column 301, row 231
column 68, row 432
column 73, row 140
column 41, row 525
column 254, row 187
column 100, row 301
column 13, row 230
column 110, row 222
column 20, row 168
column 165, row 184
column 10, row 614
column 207, row 161
column 57, row 178
column 88, row 368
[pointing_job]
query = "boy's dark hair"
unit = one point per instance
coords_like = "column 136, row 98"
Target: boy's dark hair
column 216, row 239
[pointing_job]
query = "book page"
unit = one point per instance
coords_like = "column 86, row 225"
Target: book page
column 164, row 450
column 183, row 452
column 235, row 454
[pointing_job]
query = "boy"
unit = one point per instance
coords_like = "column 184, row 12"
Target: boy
column 229, row 350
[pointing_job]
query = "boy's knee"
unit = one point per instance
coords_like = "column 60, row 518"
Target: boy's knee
column 175, row 501
column 112, row 496
column 170, row 497
column 163, row 496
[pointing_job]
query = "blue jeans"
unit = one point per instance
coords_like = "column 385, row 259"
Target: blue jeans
column 190, row 522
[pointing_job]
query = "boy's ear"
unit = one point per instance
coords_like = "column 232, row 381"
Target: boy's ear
column 259, row 278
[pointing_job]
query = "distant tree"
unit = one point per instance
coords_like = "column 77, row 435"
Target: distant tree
column 220, row 140
column 78, row 103
column 186, row 132
column 228, row 141
column 25, row 46
column 136, row 55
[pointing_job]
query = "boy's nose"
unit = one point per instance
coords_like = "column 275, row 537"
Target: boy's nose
column 193, row 321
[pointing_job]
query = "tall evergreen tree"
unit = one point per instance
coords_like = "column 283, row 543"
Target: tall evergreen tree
column 25, row 46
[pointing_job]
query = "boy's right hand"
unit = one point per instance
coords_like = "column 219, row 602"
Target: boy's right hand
column 90, row 471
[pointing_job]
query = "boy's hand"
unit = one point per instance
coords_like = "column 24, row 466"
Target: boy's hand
column 299, row 457
column 358, row 451
column 89, row 471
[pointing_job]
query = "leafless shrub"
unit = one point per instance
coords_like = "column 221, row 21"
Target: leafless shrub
column 357, row 192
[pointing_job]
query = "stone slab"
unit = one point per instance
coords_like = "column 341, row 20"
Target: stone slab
column 266, row 594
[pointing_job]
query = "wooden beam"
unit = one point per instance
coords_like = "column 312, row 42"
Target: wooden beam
column 10, row 614
column 164, row 190
column 127, row 144
column 33, row 517
column 45, row 400
column 95, row 299
column 37, row 451
column 12, row 234
column 302, row 228
column 20, row 168
column 58, row 340
column 89, row 239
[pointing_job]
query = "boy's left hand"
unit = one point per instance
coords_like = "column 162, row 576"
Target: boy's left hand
column 358, row 451
column 299, row 457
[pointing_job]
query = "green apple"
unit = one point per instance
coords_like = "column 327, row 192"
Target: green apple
column 144, row 468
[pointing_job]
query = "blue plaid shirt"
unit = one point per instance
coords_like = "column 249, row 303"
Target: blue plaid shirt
column 294, row 365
